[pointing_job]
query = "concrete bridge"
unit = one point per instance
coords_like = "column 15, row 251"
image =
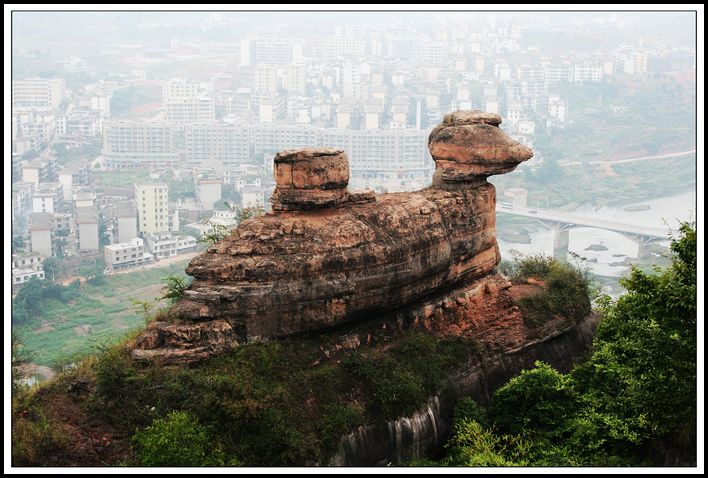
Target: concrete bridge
column 561, row 222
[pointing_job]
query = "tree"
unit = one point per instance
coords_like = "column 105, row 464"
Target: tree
column 174, row 288
column 632, row 402
column 640, row 383
column 51, row 268
column 18, row 243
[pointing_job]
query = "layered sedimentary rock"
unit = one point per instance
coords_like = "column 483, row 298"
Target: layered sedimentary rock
column 326, row 256
column 468, row 147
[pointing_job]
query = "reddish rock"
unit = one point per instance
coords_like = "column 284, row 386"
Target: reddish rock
column 299, row 271
column 327, row 257
column 310, row 178
column 166, row 342
column 468, row 147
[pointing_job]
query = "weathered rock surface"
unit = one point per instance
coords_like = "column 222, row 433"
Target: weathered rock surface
column 325, row 257
column 168, row 343
column 310, row 178
column 468, row 147
column 294, row 272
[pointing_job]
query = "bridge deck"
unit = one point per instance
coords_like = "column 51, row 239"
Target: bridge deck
column 575, row 219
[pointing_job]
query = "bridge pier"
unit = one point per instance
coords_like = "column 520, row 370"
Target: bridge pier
column 560, row 244
column 643, row 242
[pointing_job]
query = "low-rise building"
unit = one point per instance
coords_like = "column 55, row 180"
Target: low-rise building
column 163, row 245
column 207, row 191
column 124, row 255
column 27, row 260
column 20, row 276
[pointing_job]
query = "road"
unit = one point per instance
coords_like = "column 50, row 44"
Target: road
column 631, row 160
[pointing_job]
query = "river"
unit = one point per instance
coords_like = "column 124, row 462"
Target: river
column 661, row 211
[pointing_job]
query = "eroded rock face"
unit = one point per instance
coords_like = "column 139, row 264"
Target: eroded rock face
column 326, row 256
column 294, row 272
column 468, row 147
column 310, row 178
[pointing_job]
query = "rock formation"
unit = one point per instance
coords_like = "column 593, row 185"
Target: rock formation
column 326, row 256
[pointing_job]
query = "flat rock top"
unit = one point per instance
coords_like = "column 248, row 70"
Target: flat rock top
column 303, row 154
column 462, row 117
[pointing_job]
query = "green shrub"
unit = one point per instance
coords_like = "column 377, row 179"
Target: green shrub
column 566, row 290
column 337, row 421
column 174, row 287
column 538, row 399
column 177, row 440
column 468, row 409
column 472, row 445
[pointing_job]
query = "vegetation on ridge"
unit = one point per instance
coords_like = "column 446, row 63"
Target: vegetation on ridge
column 633, row 402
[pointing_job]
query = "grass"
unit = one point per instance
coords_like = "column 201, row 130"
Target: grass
column 108, row 309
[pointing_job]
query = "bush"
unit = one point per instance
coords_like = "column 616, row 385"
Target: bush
column 472, row 445
column 468, row 409
column 538, row 399
column 177, row 440
column 566, row 290
column 337, row 421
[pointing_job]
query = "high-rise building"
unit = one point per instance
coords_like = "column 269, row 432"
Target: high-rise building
column 188, row 102
column 222, row 142
column 131, row 144
column 37, row 92
column 153, row 215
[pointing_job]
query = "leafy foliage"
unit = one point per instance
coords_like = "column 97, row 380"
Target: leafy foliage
column 217, row 232
column 632, row 402
column 175, row 287
column 565, row 292
column 538, row 399
column 177, row 440
column 35, row 293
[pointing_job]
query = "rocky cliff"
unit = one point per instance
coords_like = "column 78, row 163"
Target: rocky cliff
column 326, row 256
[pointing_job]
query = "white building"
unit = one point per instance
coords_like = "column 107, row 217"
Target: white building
column 253, row 197
column 27, row 260
column 87, row 227
column 153, row 214
column 166, row 245
column 207, row 191
column 126, row 254
column 218, row 221
column 222, row 142
column 126, row 220
column 40, row 226
column 20, row 276
column 37, row 92
column 138, row 144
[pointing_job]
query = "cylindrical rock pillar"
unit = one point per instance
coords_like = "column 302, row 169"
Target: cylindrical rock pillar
column 310, row 178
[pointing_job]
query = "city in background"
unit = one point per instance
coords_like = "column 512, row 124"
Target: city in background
column 135, row 134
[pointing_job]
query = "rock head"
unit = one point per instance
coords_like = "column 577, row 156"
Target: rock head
column 468, row 147
column 326, row 257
